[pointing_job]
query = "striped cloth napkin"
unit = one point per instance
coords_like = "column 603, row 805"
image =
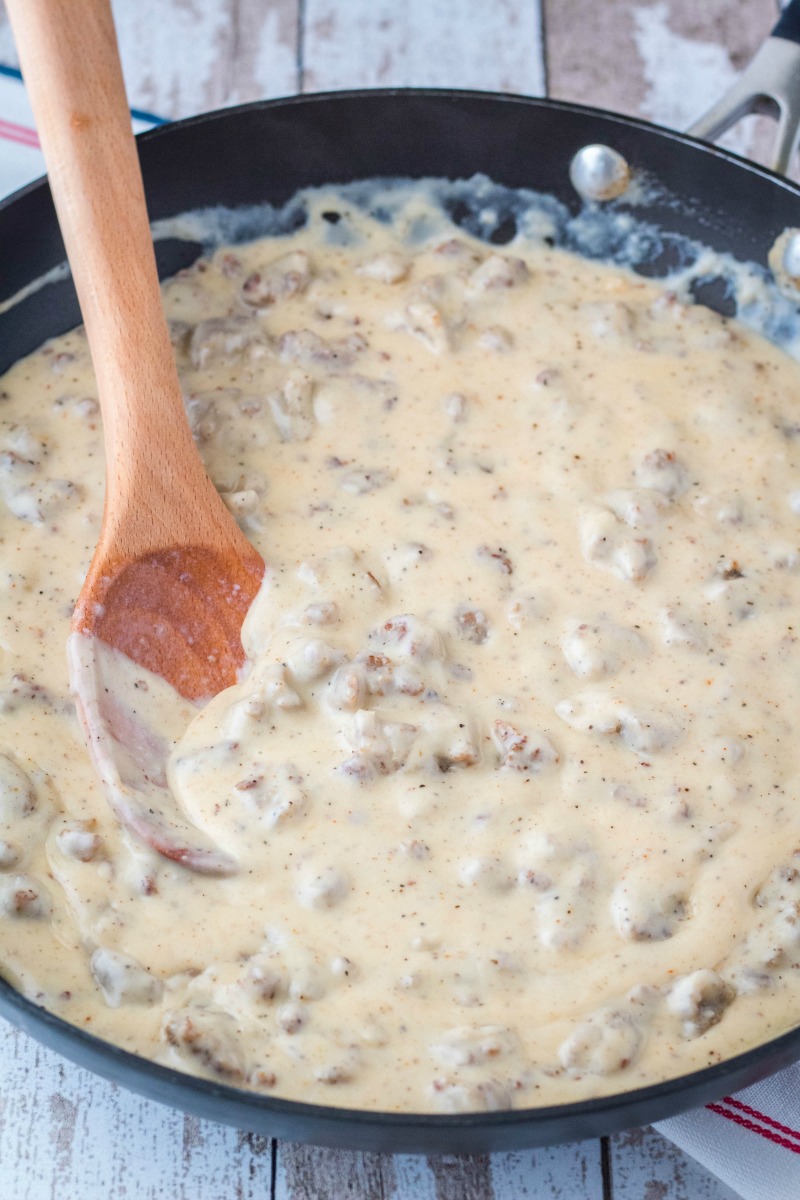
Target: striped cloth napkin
column 750, row 1141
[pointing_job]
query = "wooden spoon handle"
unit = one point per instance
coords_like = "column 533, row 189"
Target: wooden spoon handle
column 71, row 66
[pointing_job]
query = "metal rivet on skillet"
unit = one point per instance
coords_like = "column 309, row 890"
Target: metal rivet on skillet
column 599, row 173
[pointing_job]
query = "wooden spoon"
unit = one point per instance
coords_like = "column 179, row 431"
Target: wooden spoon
column 172, row 576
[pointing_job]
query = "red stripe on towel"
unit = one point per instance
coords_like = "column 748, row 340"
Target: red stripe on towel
column 18, row 133
column 760, row 1116
column 770, row 1134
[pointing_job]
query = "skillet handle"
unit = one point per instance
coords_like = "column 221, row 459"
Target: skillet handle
column 770, row 81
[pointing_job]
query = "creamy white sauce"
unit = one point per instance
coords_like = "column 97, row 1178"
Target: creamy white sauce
column 511, row 782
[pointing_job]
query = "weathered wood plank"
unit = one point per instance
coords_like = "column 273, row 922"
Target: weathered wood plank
column 662, row 59
column 645, row 1166
column 667, row 60
column 67, row 1135
column 463, row 1177
column 558, row 1173
column 306, row 1172
column 452, row 43
column 185, row 56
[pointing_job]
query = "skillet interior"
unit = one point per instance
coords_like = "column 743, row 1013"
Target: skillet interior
column 268, row 151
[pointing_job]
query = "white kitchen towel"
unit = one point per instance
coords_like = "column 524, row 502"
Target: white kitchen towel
column 752, row 1140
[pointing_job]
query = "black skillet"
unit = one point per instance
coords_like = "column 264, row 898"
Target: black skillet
column 267, row 151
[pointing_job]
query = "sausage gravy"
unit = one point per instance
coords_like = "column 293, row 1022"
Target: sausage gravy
column 512, row 779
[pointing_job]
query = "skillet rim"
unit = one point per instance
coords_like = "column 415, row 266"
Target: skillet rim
column 409, row 1132
column 166, row 126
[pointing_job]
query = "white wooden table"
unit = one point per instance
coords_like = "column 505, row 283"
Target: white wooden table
column 66, row 1135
